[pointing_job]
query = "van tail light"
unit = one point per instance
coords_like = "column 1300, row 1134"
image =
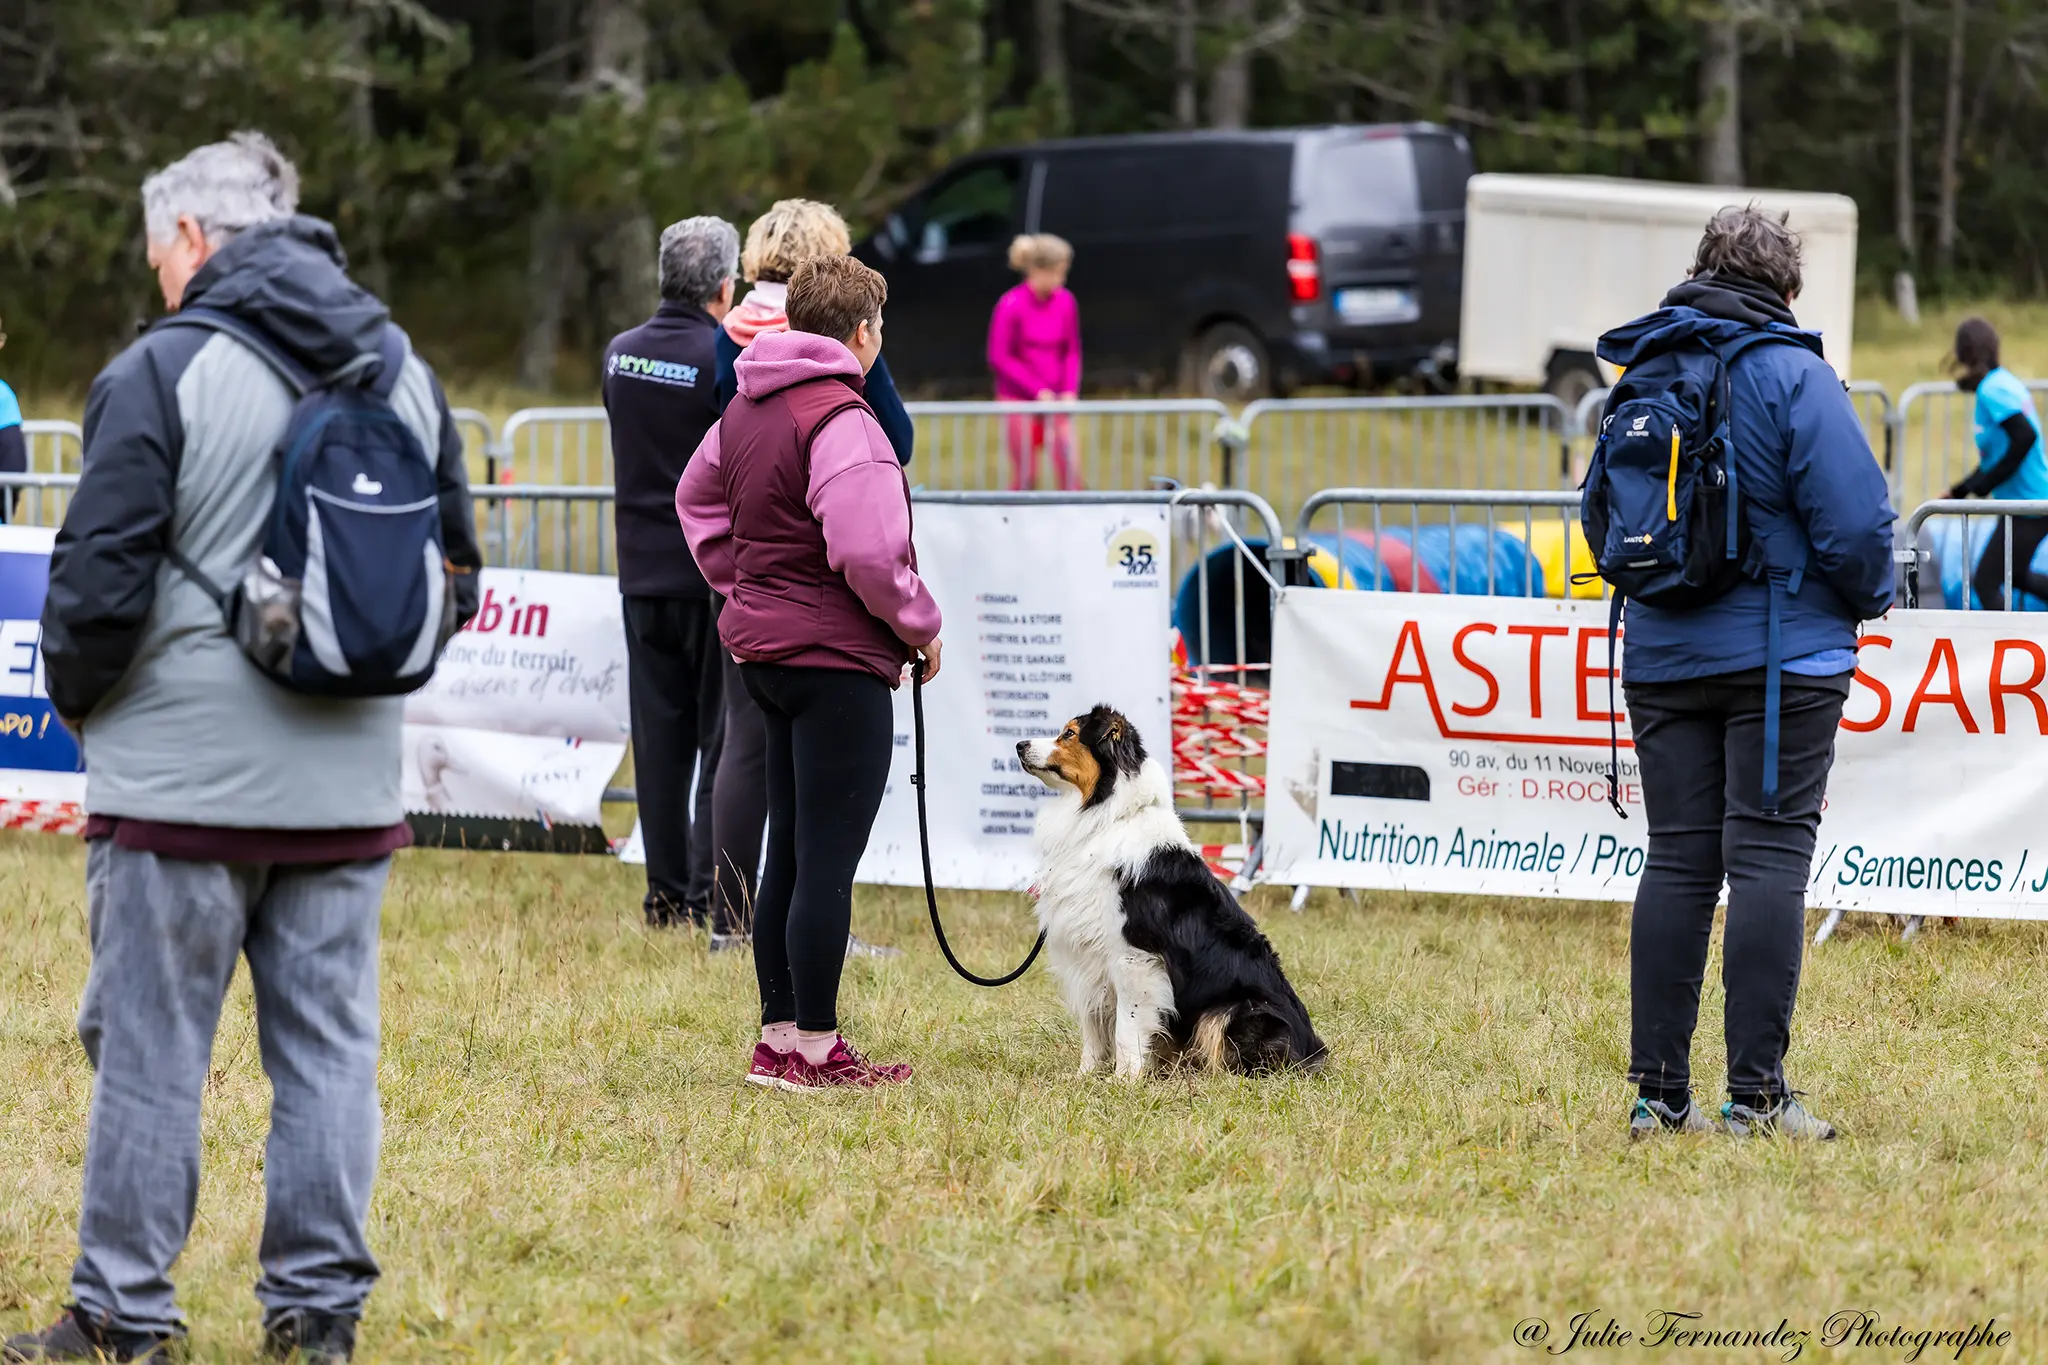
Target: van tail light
column 1304, row 268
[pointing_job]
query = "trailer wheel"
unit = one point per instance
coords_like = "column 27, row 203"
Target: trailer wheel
column 1573, row 375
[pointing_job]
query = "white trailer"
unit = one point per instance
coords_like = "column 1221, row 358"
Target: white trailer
column 1552, row 261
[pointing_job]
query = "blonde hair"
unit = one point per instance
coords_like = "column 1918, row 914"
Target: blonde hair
column 791, row 232
column 1039, row 251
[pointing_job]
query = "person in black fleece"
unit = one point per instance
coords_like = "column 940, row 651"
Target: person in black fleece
column 658, row 394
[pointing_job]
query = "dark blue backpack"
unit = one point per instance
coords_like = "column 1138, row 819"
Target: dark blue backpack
column 349, row 596
column 1663, row 512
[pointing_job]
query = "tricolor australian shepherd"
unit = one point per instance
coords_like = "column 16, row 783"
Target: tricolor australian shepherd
column 1153, row 954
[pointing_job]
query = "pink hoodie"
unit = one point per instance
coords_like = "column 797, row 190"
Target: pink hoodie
column 1034, row 344
column 856, row 495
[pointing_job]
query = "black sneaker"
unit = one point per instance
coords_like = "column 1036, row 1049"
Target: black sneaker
column 77, row 1337
column 663, row 913
column 309, row 1337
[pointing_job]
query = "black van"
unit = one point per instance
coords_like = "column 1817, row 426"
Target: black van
column 1231, row 264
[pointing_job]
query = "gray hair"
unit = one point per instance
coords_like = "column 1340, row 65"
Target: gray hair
column 698, row 255
column 1749, row 244
column 223, row 186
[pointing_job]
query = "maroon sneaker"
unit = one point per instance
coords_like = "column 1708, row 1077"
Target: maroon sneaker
column 843, row 1069
column 769, row 1065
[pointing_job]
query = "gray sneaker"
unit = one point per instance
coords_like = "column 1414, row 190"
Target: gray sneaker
column 860, row 947
column 730, row 943
column 1787, row 1119
column 1651, row 1117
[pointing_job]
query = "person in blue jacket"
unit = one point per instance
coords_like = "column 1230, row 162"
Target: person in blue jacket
column 13, row 444
column 2011, row 463
column 1697, row 691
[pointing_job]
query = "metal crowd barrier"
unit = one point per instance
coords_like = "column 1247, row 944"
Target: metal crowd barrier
column 1295, row 446
column 1914, row 553
column 37, row 498
column 54, row 447
column 566, row 528
column 1135, row 444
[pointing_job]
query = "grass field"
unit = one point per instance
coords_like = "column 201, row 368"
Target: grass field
column 574, row 1171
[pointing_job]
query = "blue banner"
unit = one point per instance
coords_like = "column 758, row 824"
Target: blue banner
column 32, row 739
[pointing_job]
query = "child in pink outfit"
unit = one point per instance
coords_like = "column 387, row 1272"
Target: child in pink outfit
column 1034, row 349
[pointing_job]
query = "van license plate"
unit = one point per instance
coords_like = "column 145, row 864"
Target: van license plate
column 1367, row 306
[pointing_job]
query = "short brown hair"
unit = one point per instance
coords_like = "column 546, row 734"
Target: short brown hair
column 833, row 295
column 1749, row 244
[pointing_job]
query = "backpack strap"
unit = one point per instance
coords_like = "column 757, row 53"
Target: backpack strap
column 297, row 377
column 1614, row 713
column 390, row 357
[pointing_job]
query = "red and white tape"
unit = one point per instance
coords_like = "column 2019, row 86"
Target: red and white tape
column 48, row 817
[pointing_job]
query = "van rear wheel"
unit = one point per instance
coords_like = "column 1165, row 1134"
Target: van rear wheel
column 1229, row 363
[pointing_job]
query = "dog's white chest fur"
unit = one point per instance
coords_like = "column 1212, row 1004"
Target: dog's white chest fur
column 1121, row 995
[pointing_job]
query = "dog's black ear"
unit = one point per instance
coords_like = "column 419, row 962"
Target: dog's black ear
column 1113, row 736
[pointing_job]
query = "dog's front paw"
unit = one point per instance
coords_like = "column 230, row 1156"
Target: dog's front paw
column 1133, row 1071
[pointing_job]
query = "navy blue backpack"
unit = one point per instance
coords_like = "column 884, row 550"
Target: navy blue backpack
column 1664, row 515
column 349, row 596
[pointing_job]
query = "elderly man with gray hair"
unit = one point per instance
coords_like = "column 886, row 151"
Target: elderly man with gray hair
column 227, row 816
column 658, row 391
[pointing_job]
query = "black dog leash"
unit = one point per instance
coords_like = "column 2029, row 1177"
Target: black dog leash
column 924, row 844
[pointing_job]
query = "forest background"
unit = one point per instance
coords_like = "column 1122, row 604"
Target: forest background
column 499, row 170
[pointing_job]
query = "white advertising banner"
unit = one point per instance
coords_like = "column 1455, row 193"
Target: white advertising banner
column 526, row 716
column 1049, row 610
column 1460, row 744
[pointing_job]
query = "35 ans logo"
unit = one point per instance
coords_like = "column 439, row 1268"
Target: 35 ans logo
column 1134, row 553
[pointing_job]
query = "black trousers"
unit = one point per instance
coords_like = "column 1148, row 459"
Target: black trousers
column 676, row 694
column 739, row 803
column 1989, row 577
column 830, row 736
column 1700, row 745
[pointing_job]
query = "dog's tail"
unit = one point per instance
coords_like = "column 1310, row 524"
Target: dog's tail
column 1254, row 1038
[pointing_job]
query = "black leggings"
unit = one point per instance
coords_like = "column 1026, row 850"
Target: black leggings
column 831, row 733
column 1989, row 579
column 739, row 804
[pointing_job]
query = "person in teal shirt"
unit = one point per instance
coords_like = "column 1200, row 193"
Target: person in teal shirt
column 13, row 444
column 2011, row 463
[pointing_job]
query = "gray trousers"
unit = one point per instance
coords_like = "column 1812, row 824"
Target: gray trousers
column 165, row 936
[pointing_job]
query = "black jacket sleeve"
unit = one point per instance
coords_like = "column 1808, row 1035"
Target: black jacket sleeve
column 458, row 520
column 887, row 404
column 13, row 460
column 116, row 531
column 2019, row 443
column 725, row 380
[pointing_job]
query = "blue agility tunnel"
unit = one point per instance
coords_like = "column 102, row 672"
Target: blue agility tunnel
column 1398, row 559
